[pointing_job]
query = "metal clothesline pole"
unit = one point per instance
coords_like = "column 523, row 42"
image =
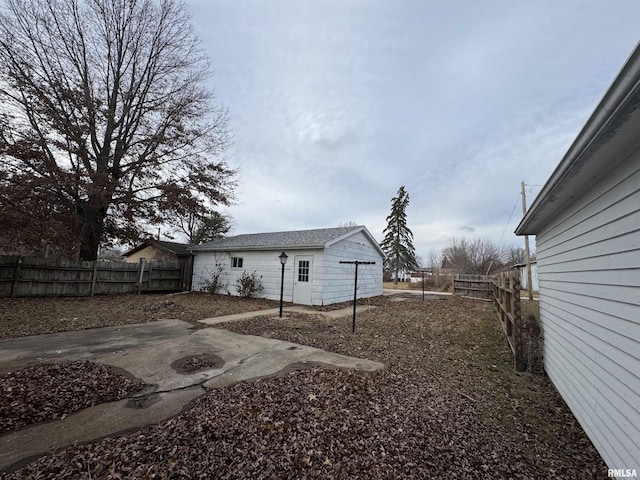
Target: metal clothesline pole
column 355, row 289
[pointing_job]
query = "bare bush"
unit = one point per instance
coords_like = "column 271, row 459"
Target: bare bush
column 248, row 284
column 212, row 283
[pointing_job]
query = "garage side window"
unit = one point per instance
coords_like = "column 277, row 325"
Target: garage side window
column 236, row 262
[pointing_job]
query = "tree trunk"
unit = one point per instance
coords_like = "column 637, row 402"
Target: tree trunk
column 397, row 270
column 90, row 225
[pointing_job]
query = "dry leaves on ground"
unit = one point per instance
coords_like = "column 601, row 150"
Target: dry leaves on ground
column 49, row 391
column 34, row 316
column 447, row 405
column 196, row 363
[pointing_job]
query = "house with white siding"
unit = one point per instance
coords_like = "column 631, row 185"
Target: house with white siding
column 313, row 273
column 586, row 220
column 521, row 268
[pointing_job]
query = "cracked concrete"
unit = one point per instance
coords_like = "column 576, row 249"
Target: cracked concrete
column 146, row 351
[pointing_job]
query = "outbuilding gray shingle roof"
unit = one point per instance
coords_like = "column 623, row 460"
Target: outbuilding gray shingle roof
column 172, row 247
column 299, row 238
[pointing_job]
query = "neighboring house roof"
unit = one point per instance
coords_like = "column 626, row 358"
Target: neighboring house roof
column 171, row 247
column 606, row 140
column 292, row 240
column 519, row 265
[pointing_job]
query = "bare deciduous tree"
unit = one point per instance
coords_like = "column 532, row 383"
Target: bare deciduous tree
column 514, row 255
column 104, row 108
column 200, row 230
column 350, row 223
column 485, row 255
column 434, row 260
column 472, row 256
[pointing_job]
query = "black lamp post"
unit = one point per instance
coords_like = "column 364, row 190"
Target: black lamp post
column 283, row 260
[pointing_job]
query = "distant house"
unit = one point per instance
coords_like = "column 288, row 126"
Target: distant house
column 403, row 276
column 156, row 250
column 159, row 251
column 313, row 272
column 522, row 272
column 587, row 225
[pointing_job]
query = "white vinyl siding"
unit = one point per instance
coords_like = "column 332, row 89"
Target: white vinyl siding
column 589, row 275
column 265, row 264
column 534, row 277
column 338, row 278
column 331, row 282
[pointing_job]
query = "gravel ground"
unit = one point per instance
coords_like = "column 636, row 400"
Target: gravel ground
column 447, row 405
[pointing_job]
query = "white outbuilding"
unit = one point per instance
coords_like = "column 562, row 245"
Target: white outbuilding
column 313, row 274
column 521, row 268
column 586, row 220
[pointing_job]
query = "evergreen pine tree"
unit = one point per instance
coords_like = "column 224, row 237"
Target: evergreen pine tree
column 398, row 239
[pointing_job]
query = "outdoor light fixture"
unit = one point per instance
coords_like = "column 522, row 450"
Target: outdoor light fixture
column 283, row 260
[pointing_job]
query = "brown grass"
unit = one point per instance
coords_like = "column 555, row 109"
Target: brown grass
column 530, row 307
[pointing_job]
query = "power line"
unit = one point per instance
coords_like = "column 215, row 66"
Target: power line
column 509, row 221
column 529, row 187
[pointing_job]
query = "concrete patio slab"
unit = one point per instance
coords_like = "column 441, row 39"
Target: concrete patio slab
column 147, row 352
column 19, row 352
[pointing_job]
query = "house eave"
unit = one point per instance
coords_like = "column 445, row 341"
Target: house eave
column 257, row 248
column 366, row 233
column 251, row 243
column 607, row 139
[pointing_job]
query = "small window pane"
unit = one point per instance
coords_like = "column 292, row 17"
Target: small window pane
column 236, row 262
column 303, row 270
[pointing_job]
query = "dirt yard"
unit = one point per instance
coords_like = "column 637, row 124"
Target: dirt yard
column 447, row 405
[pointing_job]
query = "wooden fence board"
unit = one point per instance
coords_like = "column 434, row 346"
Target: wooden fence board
column 477, row 286
column 506, row 298
column 34, row 277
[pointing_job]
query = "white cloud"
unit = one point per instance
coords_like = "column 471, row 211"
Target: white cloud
column 336, row 104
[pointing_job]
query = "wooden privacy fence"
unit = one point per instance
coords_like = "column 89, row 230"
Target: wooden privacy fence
column 478, row 286
column 506, row 298
column 38, row 277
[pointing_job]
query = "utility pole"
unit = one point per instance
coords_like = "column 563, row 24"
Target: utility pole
column 526, row 244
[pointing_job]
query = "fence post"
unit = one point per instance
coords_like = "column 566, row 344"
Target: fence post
column 140, row 275
column 149, row 285
column 188, row 274
column 517, row 324
column 94, row 278
column 16, row 276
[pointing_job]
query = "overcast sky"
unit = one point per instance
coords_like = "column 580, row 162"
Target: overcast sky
column 336, row 104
